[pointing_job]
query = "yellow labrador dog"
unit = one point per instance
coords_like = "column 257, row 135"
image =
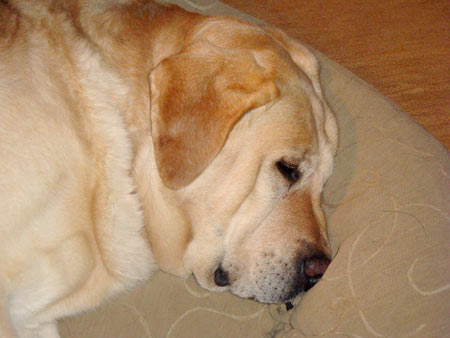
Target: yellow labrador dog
column 135, row 136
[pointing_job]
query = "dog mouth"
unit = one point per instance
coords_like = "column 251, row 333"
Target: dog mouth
column 276, row 281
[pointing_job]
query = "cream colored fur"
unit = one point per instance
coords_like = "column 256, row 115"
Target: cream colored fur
column 72, row 229
column 86, row 209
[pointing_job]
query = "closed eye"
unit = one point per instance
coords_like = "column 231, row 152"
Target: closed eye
column 289, row 171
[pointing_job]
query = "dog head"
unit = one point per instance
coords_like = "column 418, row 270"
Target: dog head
column 243, row 142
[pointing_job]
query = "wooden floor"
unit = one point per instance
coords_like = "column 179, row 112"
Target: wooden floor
column 401, row 47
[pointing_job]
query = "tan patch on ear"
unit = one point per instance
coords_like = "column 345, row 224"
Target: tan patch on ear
column 196, row 98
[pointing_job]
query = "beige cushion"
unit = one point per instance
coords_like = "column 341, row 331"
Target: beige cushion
column 388, row 206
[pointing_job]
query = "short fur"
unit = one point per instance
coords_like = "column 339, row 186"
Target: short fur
column 135, row 136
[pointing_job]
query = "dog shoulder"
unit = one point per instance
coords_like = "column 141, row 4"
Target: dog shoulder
column 66, row 160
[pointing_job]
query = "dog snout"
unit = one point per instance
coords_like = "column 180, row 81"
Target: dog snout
column 276, row 278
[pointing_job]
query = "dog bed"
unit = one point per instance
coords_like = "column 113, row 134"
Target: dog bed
column 388, row 209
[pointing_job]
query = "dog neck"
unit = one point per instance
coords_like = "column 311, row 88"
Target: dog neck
column 168, row 227
column 131, row 39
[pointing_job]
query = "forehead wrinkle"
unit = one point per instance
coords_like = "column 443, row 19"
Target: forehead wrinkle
column 293, row 130
column 287, row 120
column 232, row 226
column 251, row 186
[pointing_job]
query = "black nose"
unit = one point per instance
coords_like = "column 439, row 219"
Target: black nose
column 313, row 269
column 221, row 277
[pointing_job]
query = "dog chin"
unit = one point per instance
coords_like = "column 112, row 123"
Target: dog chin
column 259, row 295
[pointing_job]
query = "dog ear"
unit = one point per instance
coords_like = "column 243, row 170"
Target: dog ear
column 304, row 58
column 197, row 96
column 299, row 53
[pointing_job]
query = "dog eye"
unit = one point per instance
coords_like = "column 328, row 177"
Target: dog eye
column 289, row 171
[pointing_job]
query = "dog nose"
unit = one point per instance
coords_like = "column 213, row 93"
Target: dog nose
column 221, row 277
column 313, row 269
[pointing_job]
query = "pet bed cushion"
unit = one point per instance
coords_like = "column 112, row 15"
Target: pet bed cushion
column 388, row 208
